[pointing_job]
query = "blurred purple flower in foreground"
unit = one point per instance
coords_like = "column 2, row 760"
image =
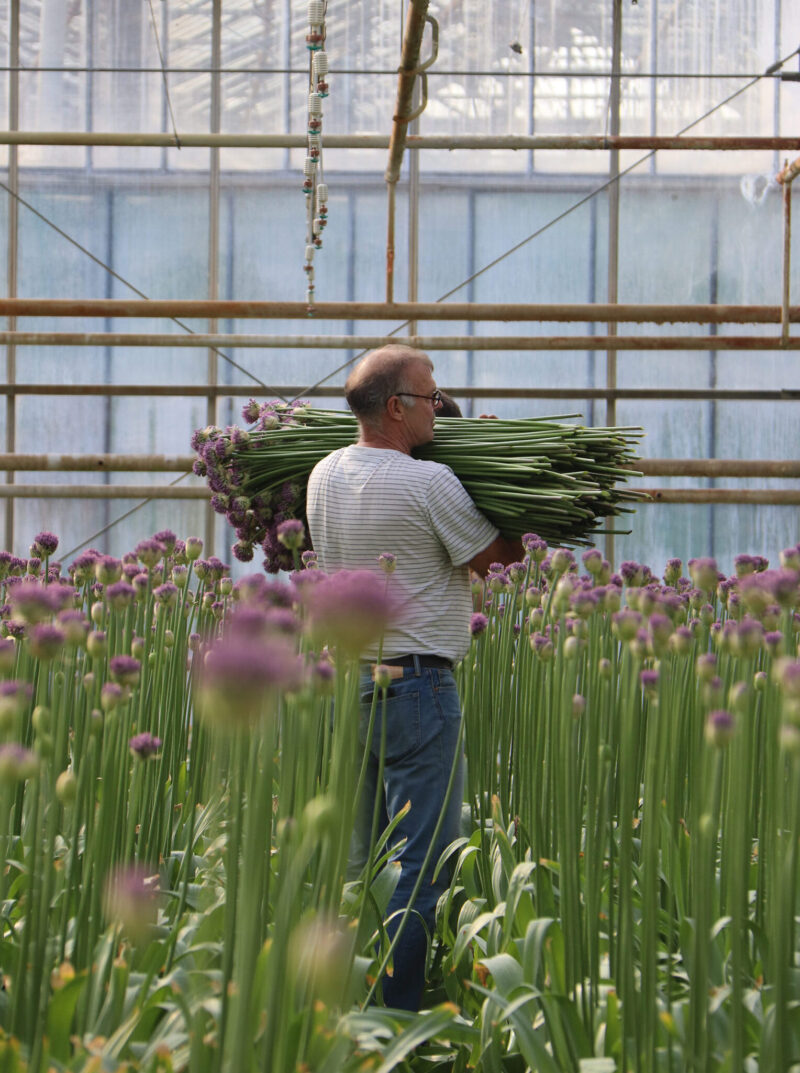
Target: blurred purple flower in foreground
column 131, row 900
column 243, row 676
column 144, row 745
column 348, row 610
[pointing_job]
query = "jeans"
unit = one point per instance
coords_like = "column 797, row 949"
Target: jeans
column 423, row 719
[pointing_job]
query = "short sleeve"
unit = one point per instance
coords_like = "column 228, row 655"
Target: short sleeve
column 458, row 523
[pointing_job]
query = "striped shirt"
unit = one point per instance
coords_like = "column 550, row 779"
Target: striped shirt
column 363, row 501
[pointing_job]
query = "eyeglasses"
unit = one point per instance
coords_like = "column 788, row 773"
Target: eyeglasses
column 435, row 398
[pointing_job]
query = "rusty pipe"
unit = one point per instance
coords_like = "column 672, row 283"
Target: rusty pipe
column 587, row 312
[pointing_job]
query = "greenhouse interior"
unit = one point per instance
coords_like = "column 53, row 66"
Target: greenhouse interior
column 562, row 620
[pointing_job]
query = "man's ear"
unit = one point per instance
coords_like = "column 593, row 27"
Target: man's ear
column 395, row 408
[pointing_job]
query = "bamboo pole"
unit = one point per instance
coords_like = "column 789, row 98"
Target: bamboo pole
column 422, row 342
column 152, row 463
column 588, row 312
column 527, row 142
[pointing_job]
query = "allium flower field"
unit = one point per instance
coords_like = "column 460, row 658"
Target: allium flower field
column 176, row 800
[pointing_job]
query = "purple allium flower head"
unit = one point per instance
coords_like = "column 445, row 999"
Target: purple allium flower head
column 15, row 697
column 534, row 546
column 199, row 468
column 149, row 552
column 787, row 672
column 17, row 763
column 130, row 571
column 681, row 640
column 790, row 557
column 45, row 543
column 243, row 550
column 583, row 602
column 747, row 637
column 782, row 584
column 542, row 645
column 672, row 571
column 131, row 900
column 194, row 548
column 5, row 560
column 349, row 609
column 648, row 678
column 110, row 696
column 774, row 642
column 107, row 569
column 323, row 675
column 387, row 562
column 75, row 626
column 31, row 601
column 168, row 539
column 515, row 572
column 562, row 560
column 309, row 560
column 593, row 560
column 478, row 624
column 17, row 566
column 125, row 670
column 241, row 678
column 744, row 565
column 704, row 573
column 34, row 566
column 120, row 595
column 250, row 411
column 292, row 534
column 13, row 628
column 166, row 594
column 144, row 745
column 625, row 623
column 632, row 573
column 719, row 727
column 220, row 503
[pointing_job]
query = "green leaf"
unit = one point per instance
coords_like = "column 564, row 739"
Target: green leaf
column 60, row 1013
column 429, row 1023
column 506, row 972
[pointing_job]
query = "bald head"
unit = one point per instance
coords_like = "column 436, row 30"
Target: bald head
column 378, row 376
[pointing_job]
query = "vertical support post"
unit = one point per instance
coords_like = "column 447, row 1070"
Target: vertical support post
column 413, row 217
column 615, row 94
column 787, row 258
column 213, row 233
column 11, row 255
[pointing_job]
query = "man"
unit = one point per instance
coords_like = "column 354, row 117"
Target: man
column 373, row 498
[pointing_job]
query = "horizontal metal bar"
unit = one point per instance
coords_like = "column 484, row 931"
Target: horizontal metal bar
column 293, row 391
column 202, row 341
column 775, row 497
column 99, row 463
column 718, row 467
column 205, row 140
column 100, row 491
column 651, row 467
column 586, row 312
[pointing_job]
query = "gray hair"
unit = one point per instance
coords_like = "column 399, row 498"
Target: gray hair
column 380, row 375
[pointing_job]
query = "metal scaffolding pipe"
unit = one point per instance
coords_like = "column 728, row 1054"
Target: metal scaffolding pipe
column 422, row 342
column 293, row 391
column 776, row 497
column 100, row 491
column 588, row 312
column 755, row 497
column 526, row 142
column 139, row 463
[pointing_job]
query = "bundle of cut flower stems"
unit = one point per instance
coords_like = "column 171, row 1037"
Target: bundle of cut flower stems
column 543, row 475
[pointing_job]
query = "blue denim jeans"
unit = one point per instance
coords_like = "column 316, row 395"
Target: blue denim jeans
column 423, row 719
